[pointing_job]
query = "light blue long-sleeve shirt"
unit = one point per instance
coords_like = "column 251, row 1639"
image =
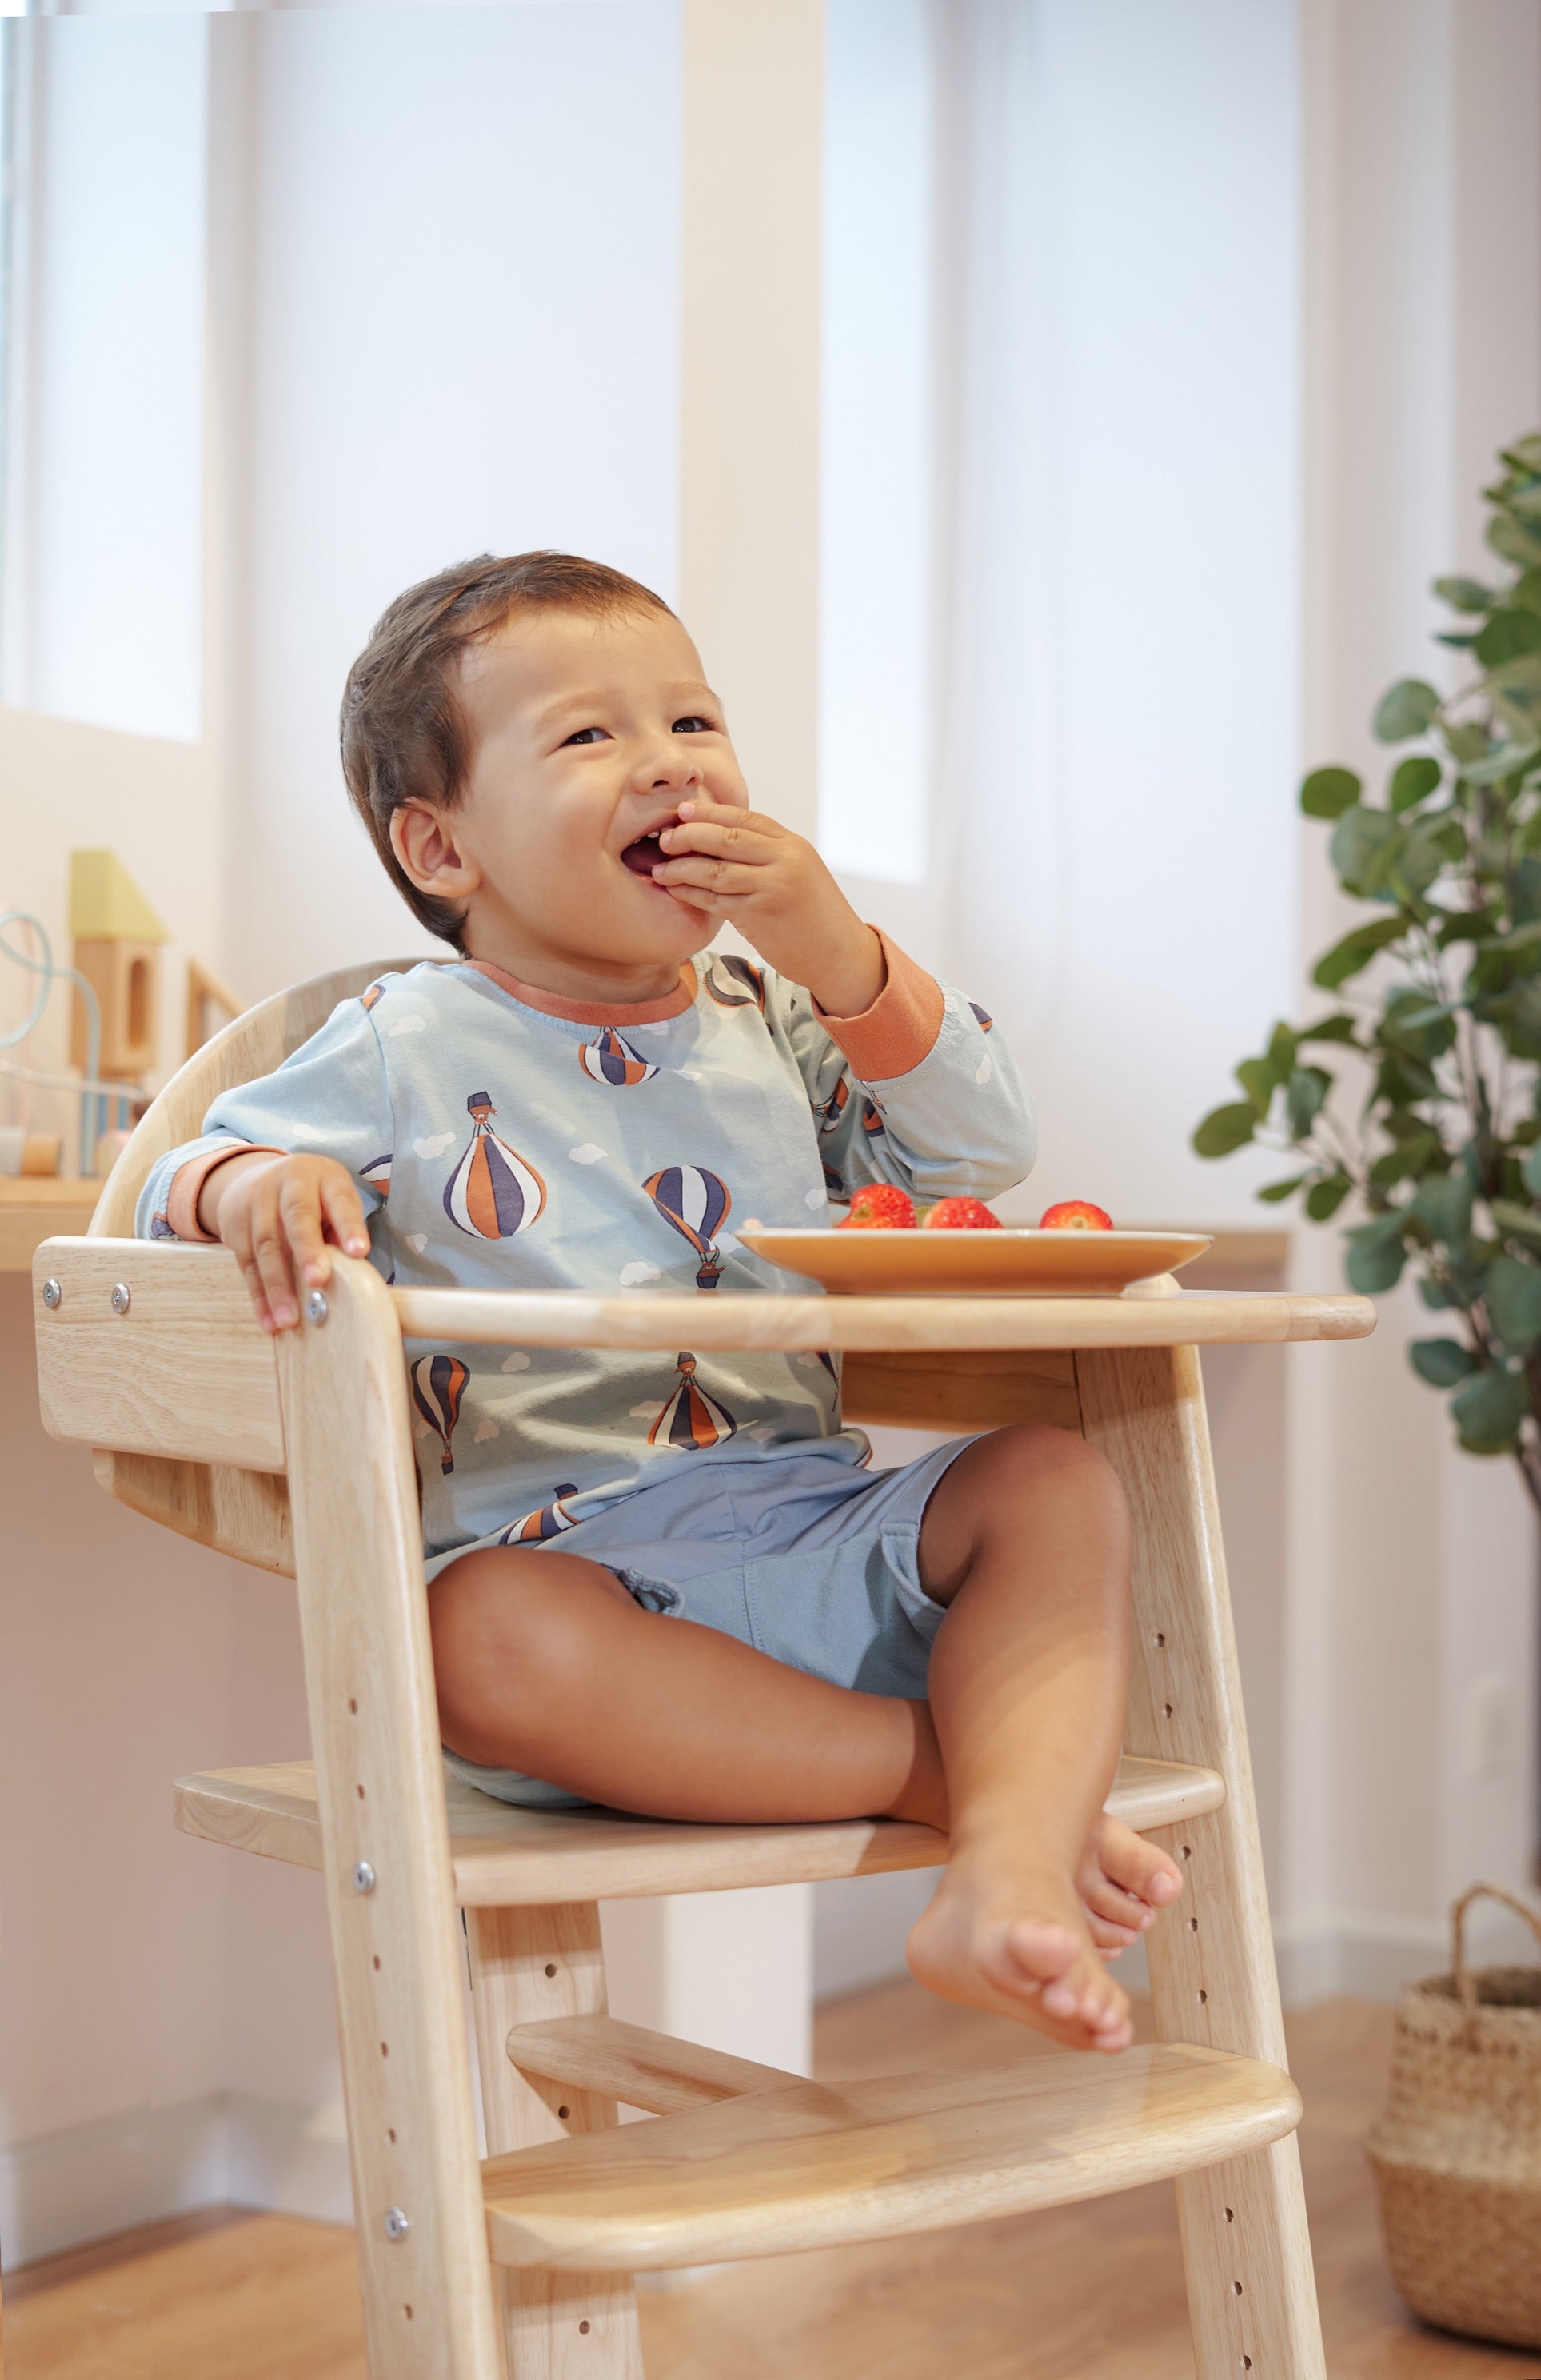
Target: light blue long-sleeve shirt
column 497, row 1146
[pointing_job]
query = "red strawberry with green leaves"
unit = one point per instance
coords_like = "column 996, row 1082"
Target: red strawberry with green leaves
column 879, row 1207
column 962, row 1215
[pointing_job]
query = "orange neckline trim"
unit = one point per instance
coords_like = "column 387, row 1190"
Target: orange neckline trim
column 591, row 1012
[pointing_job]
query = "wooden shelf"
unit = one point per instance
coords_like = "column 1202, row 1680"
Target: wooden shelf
column 37, row 1206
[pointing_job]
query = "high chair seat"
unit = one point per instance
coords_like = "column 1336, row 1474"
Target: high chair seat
column 507, row 1858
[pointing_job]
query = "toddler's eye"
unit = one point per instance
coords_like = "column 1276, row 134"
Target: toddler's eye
column 587, row 736
column 692, row 725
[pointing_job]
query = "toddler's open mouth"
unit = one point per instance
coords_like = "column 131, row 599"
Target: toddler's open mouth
column 643, row 856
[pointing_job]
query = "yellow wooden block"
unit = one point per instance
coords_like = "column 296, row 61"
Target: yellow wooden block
column 106, row 905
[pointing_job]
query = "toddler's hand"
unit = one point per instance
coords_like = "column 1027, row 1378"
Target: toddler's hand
column 281, row 1217
column 742, row 866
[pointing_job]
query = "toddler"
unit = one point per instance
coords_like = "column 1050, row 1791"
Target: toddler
column 672, row 1587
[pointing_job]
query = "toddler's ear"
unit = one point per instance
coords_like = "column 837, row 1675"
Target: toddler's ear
column 424, row 841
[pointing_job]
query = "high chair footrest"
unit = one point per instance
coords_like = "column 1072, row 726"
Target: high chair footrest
column 506, row 1857
column 819, row 2165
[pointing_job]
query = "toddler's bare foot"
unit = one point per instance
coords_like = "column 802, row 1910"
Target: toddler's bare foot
column 1125, row 1883
column 1017, row 1943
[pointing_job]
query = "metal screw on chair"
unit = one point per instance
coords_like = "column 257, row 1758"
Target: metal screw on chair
column 363, row 1878
column 316, row 1306
column 121, row 1296
column 52, row 1294
column 397, row 2224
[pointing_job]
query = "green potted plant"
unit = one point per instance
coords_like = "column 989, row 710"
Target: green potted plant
column 1414, row 1102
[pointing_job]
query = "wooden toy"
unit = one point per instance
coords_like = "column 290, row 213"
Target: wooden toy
column 297, row 1456
column 117, row 938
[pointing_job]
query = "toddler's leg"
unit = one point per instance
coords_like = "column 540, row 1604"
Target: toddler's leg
column 544, row 1663
column 1026, row 1539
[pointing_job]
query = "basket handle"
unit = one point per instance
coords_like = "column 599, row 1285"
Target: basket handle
column 1466, row 1982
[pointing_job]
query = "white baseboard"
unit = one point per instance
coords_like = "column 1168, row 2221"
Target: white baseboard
column 86, row 2183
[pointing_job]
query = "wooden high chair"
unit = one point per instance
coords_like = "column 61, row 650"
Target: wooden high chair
column 299, row 1457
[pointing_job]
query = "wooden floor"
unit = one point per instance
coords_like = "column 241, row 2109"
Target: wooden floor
column 1082, row 2291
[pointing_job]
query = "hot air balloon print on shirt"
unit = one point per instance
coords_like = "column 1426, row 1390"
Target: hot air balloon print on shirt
column 734, row 983
column 695, row 1204
column 438, row 1385
column 492, row 1193
column 367, row 999
column 691, row 1420
column 548, row 1521
column 377, row 1173
column 615, row 1062
column 834, row 1106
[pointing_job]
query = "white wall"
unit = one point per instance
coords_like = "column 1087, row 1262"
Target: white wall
column 465, row 327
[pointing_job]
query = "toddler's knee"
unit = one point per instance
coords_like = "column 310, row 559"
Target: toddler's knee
column 1036, row 1454
column 508, row 1639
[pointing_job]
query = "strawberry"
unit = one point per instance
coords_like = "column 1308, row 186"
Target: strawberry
column 879, row 1207
column 1075, row 1215
column 962, row 1215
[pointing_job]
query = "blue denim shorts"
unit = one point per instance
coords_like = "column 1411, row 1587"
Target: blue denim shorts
column 807, row 1558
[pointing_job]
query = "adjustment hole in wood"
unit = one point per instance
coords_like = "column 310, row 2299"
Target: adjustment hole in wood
column 583, row 2330
column 1165, row 1710
column 1246, row 2364
column 408, row 2312
column 562, row 2114
column 1193, row 1928
column 1231, row 2215
column 549, row 1968
column 1203, row 1998
column 377, row 1963
column 1160, row 1638
column 353, row 1706
column 391, row 2134
column 385, row 2049
column 1187, row 1850
column 1235, row 2288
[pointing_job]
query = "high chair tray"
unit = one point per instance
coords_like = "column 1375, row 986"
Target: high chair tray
column 1004, row 1263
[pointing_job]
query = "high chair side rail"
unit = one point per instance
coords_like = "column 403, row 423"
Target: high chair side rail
column 152, row 1350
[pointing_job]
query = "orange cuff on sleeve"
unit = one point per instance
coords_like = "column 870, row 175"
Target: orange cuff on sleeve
column 186, row 1185
column 899, row 1029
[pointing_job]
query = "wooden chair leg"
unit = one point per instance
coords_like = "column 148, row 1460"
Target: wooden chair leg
column 421, row 2228
column 528, row 1965
column 1251, row 2287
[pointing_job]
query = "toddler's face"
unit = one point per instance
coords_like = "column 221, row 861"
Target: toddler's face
column 587, row 736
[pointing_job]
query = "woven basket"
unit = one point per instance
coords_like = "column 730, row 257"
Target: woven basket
column 1457, row 2153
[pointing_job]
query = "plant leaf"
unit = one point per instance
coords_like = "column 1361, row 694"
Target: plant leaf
column 1488, row 1410
column 1409, row 708
column 1226, row 1128
column 1414, row 779
column 1530, row 1169
column 1340, row 1027
column 1360, row 848
column 1443, row 1202
column 1256, row 1080
column 1441, row 1362
column 1377, row 1254
column 1275, row 1193
column 1327, row 793
column 1324, row 1198
column 1356, row 951
column 1306, row 1090
column 1505, row 635
column 1512, row 1294
column 1463, row 594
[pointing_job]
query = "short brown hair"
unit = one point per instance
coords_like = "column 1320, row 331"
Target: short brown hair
column 403, row 732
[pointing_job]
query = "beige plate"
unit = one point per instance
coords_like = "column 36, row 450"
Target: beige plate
column 1038, row 1264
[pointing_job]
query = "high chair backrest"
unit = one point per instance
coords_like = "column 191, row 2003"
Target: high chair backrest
column 241, row 1513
